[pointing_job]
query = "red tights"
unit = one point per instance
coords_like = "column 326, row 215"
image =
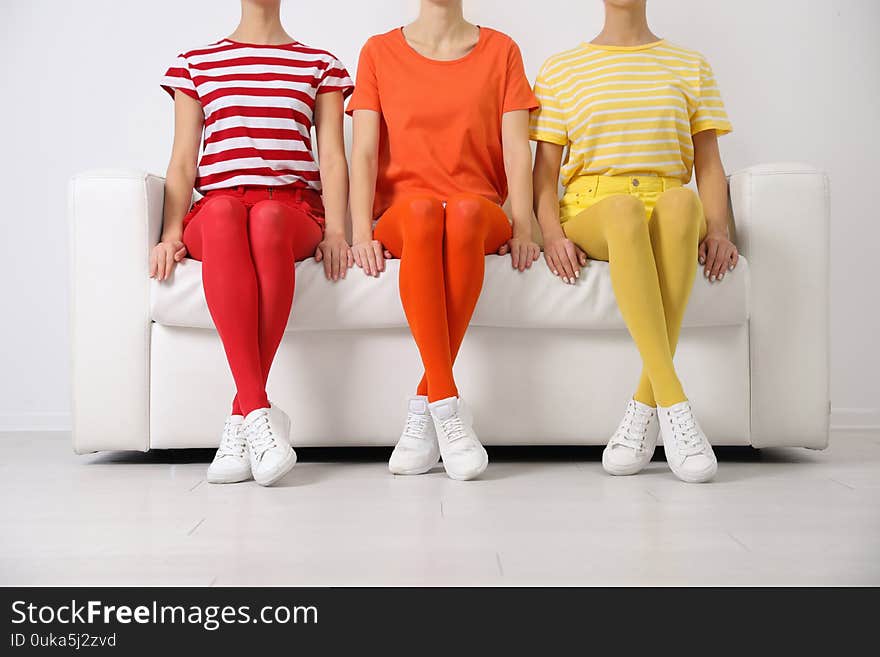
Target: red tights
column 248, row 251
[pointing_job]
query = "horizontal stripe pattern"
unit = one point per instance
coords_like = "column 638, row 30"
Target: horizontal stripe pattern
column 259, row 104
column 622, row 111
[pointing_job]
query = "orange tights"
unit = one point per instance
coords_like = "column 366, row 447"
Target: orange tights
column 442, row 258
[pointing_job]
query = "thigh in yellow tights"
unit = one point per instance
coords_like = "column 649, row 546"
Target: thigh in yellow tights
column 650, row 241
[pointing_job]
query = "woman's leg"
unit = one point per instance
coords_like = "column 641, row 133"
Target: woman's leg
column 475, row 227
column 677, row 225
column 412, row 230
column 616, row 229
column 279, row 236
column 218, row 236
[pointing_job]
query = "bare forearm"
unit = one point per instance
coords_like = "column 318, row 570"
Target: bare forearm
column 545, row 179
column 547, row 202
column 712, row 185
column 517, row 167
column 711, row 181
column 518, row 163
column 547, row 210
column 334, row 181
column 563, row 258
column 179, row 180
column 363, row 189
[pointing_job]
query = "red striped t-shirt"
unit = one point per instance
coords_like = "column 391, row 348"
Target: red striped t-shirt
column 259, row 103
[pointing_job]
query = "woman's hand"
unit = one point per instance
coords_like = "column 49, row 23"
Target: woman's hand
column 335, row 253
column 370, row 256
column 564, row 259
column 718, row 255
column 164, row 256
column 523, row 252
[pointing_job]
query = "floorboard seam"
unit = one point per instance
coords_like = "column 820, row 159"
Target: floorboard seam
column 193, row 530
column 739, row 542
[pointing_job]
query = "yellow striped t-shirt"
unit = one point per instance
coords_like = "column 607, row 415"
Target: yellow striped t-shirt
column 623, row 110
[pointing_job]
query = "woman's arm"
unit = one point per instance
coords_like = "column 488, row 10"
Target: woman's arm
column 517, row 162
column 179, row 179
column 717, row 253
column 563, row 257
column 333, row 249
column 368, row 253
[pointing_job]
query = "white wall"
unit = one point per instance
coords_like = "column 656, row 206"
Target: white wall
column 801, row 79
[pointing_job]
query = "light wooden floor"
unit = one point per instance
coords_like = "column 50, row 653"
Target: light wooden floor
column 792, row 517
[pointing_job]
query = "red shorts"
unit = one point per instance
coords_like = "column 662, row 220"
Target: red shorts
column 299, row 198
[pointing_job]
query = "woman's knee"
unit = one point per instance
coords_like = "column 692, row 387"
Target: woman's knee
column 422, row 221
column 465, row 220
column 223, row 217
column 626, row 218
column 678, row 213
column 624, row 205
column 269, row 225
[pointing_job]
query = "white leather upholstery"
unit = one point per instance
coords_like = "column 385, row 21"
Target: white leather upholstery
column 782, row 224
column 114, row 216
column 510, row 299
column 557, row 359
column 556, row 386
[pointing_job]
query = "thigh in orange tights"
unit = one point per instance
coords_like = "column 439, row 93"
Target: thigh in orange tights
column 442, row 258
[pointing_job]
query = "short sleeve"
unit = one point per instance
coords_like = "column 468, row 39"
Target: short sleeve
column 517, row 90
column 178, row 77
column 366, row 88
column 548, row 122
column 709, row 113
column 335, row 78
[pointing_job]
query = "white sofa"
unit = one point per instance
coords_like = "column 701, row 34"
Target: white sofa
column 543, row 363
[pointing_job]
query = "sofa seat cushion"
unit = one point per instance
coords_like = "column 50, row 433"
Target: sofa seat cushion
column 533, row 299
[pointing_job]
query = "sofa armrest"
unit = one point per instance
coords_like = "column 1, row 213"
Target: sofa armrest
column 781, row 212
column 115, row 216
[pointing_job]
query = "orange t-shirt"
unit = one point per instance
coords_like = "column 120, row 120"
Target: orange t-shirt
column 440, row 128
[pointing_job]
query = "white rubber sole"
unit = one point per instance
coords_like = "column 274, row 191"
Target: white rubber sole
column 469, row 474
column 228, row 478
column 414, row 471
column 624, row 470
column 280, row 470
column 696, row 477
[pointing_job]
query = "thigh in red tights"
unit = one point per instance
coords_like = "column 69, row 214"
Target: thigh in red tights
column 442, row 259
column 248, row 274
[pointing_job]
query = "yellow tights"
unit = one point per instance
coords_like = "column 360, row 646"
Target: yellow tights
column 652, row 254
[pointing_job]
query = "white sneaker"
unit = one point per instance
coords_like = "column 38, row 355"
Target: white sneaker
column 230, row 464
column 267, row 431
column 688, row 451
column 417, row 450
column 632, row 445
column 463, row 456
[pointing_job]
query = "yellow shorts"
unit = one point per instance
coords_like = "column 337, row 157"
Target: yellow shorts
column 584, row 191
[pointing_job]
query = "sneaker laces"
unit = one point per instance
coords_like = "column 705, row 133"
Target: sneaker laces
column 415, row 426
column 453, row 428
column 231, row 443
column 261, row 437
column 633, row 430
column 684, row 426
